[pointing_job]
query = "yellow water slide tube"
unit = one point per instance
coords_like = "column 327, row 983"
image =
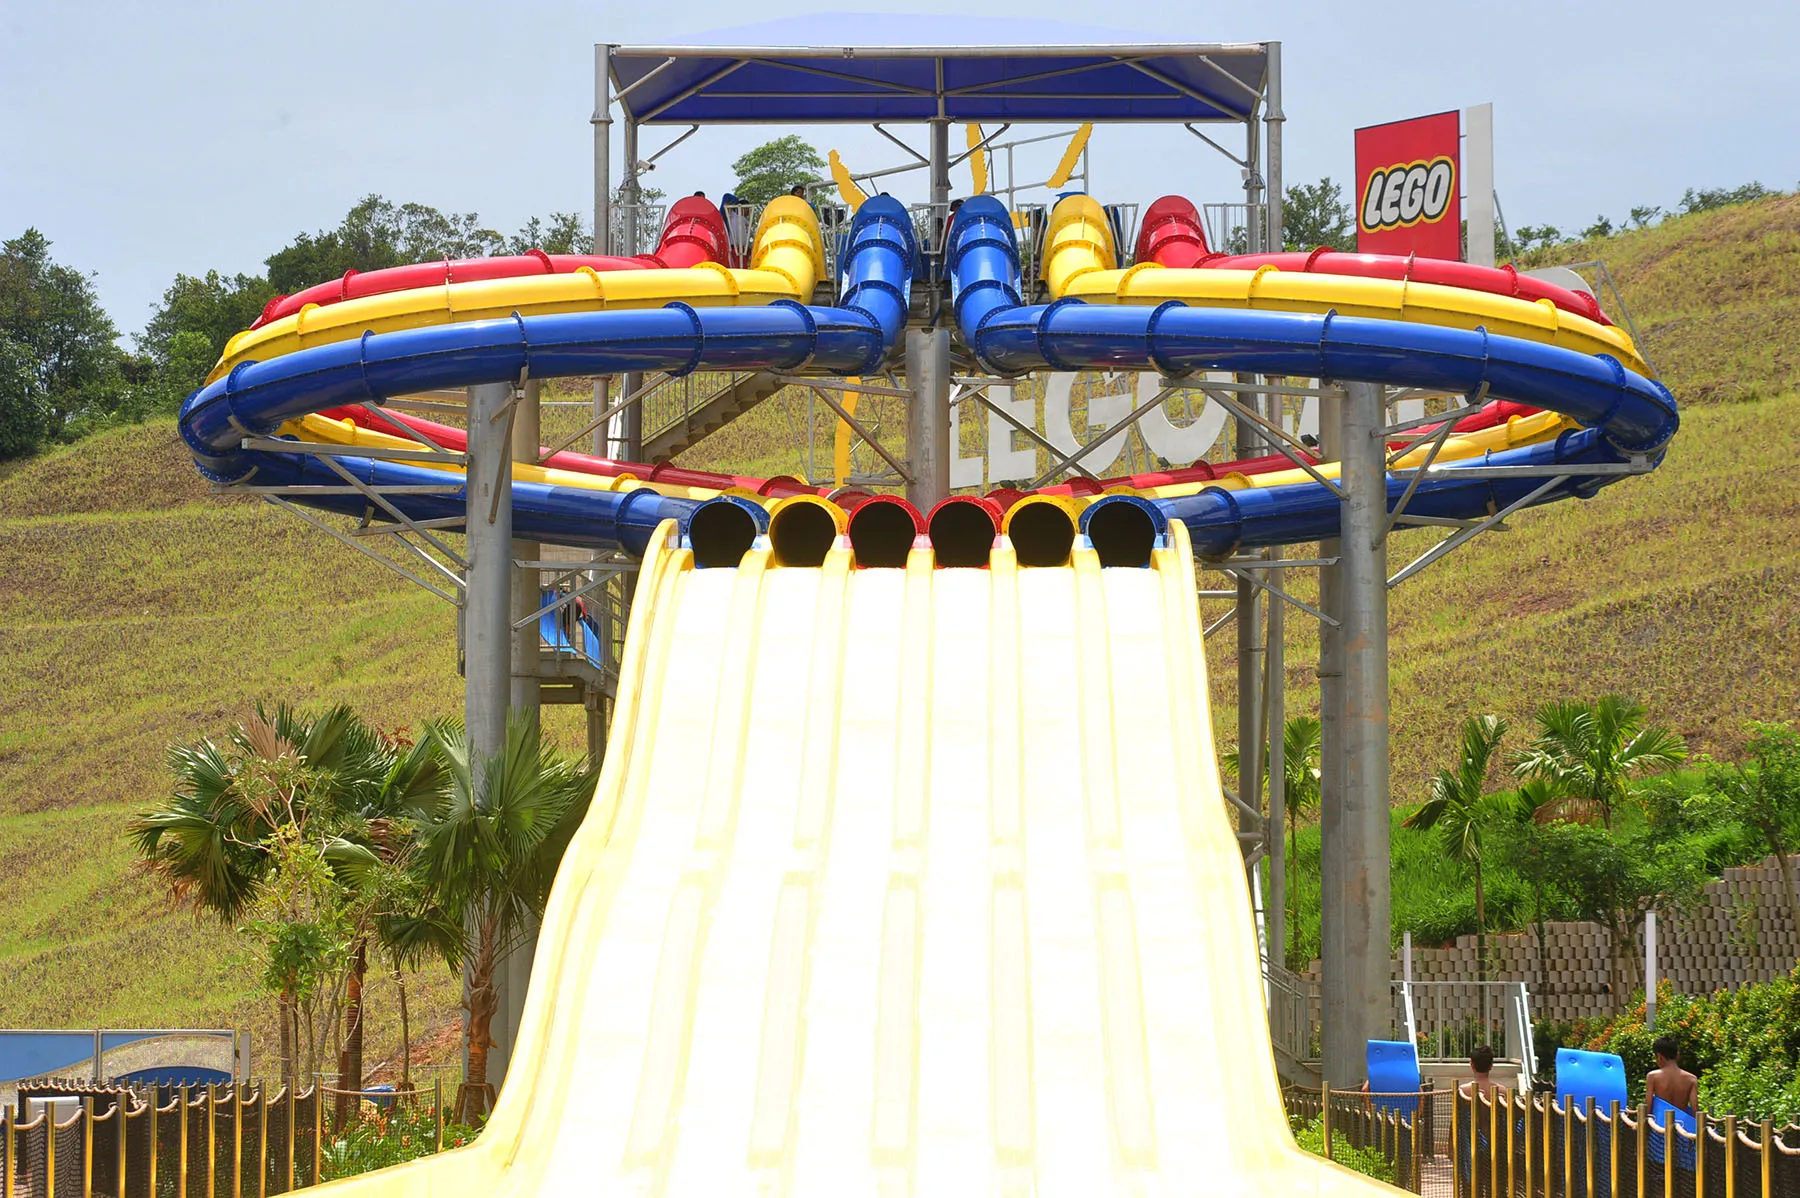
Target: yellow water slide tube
column 1081, row 263
column 787, row 263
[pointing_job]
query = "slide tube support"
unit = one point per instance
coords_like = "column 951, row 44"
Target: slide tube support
column 1356, row 900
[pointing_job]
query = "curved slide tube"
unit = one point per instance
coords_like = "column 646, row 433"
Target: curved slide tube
column 1080, row 257
column 1170, row 234
column 660, row 474
column 693, row 234
column 903, row 881
column 1633, row 415
column 257, row 398
column 788, row 263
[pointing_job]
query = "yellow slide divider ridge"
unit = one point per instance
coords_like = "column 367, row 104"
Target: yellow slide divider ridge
column 978, row 169
column 897, row 881
column 848, row 191
column 787, row 262
column 1080, row 263
column 1071, row 157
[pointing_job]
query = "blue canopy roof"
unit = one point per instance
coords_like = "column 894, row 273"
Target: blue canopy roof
column 864, row 67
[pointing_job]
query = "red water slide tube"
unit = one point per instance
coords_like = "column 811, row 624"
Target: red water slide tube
column 1491, row 415
column 1170, row 234
column 693, row 233
column 452, row 438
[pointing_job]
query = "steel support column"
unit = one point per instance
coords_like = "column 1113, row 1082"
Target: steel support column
column 602, row 122
column 487, row 604
column 940, row 163
column 1273, row 119
column 631, row 420
column 1354, row 825
column 928, row 416
column 514, row 971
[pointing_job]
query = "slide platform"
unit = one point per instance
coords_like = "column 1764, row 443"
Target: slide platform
column 910, row 881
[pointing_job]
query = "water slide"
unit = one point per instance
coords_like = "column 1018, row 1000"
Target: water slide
column 1549, row 362
column 912, row 879
column 693, row 233
column 897, row 881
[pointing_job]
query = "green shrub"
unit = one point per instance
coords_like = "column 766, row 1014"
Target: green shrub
column 1743, row 1044
column 1367, row 1161
column 381, row 1138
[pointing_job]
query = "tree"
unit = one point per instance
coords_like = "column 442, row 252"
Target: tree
column 24, row 410
column 1537, row 237
column 1459, row 808
column 1643, row 214
column 1708, row 198
column 1602, row 227
column 1315, row 214
column 373, row 856
column 775, row 168
column 189, row 329
column 560, row 233
column 490, row 851
column 1592, row 751
column 1611, row 881
column 62, row 364
column 275, row 791
column 1301, row 745
column 1765, row 793
column 377, row 233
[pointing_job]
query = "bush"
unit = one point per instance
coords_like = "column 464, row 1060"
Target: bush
column 1367, row 1161
column 403, row 1132
column 1743, row 1044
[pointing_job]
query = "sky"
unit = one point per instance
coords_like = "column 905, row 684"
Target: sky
column 146, row 140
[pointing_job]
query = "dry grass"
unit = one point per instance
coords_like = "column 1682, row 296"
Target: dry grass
column 1715, row 295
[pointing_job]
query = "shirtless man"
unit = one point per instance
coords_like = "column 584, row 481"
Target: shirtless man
column 1481, row 1064
column 1669, row 1081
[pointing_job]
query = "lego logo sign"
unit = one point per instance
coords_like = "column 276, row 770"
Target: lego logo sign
column 1406, row 174
column 1403, row 195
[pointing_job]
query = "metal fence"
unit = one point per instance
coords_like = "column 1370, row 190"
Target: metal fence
column 1404, row 1131
column 1525, row 1146
column 242, row 1140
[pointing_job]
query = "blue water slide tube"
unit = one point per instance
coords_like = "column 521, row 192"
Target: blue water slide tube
column 256, row 398
column 1628, row 415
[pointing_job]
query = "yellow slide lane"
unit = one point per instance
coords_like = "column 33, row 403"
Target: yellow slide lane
column 788, row 261
column 898, row 882
column 1080, row 256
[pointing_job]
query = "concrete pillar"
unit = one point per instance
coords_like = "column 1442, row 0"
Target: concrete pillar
column 1355, row 893
column 928, row 416
column 487, row 602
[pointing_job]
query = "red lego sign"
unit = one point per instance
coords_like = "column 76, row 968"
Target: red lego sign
column 1407, row 187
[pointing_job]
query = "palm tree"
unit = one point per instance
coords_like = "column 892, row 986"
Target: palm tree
column 1592, row 751
column 490, row 851
column 1459, row 808
column 374, row 826
column 211, row 840
column 1301, row 747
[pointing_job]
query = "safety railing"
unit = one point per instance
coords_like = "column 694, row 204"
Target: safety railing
column 236, row 1139
column 642, row 239
column 1449, row 1019
column 1293, row 1012
column 1532, row 1146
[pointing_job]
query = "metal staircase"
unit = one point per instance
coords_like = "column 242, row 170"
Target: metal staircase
column 711, row 414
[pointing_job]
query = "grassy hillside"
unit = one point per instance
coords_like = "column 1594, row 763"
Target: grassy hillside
column 1716, row 297
column 137, row 609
